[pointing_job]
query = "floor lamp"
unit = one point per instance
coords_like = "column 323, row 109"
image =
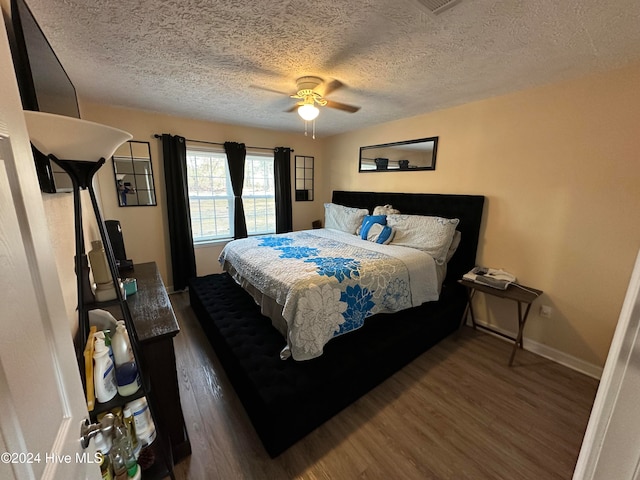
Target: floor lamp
column 80, row 148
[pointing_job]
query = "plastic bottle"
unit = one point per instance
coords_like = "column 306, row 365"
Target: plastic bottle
column 137, row 475
column 145, row 428
column 125, row 352
column 104, row 376
column 127, row 377
column 105, row 464
column 103, row 335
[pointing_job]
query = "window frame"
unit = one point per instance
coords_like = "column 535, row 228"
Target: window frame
column 251, row 156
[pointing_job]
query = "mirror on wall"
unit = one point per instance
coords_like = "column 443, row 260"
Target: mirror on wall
column 405, row 156
column 304, row 178
column 134, row 174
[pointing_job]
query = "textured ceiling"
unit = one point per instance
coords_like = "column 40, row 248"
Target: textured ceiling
column 198, row 58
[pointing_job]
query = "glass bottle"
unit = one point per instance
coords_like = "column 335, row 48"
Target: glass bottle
column 117, row 462
column 105, row 465
column 131, row 430
column 124, row 450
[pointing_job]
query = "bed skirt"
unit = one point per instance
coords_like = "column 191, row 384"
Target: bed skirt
column 284, row 399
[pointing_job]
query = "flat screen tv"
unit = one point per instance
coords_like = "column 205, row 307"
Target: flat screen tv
column 44, row 85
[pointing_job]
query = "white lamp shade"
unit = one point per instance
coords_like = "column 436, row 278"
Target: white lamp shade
column 71, row 138
column 308, row 111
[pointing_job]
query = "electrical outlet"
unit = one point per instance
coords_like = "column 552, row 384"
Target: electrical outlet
column 545, row 311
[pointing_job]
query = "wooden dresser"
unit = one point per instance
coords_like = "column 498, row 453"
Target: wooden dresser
column 156, row 325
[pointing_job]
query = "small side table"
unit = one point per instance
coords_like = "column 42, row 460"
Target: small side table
column 522, row 295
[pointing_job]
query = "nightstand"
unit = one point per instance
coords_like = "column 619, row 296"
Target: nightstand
column 521, row 294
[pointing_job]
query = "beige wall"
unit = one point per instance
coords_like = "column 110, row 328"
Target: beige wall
column 559, row 167
column 145, row 229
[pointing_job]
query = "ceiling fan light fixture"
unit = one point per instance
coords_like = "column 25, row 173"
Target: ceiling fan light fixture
column 308, row 111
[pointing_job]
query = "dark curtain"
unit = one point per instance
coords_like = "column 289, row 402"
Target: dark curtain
column 282, row 176
column 236, row 154
column 183, row 259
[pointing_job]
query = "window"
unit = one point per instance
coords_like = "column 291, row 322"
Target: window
column 258, row 195
column 211, row 195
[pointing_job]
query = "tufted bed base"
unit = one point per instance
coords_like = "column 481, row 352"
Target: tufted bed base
column 286, row 400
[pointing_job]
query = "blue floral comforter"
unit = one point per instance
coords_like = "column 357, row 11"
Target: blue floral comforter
column 328, row 282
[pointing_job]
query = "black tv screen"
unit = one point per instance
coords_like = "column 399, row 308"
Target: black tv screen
column 43, row 82
column 44, row 86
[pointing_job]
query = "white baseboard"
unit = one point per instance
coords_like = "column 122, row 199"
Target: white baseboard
column 546, row 351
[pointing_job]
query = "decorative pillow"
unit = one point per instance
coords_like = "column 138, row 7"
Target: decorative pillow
column 379, row 233
column 339, row 217
column 385, row 210
column 432, row 235
column 371, row 220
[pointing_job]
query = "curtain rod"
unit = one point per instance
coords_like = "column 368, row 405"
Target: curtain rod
column 218, row 143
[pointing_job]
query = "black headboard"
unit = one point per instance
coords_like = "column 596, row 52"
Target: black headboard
column 467, row 208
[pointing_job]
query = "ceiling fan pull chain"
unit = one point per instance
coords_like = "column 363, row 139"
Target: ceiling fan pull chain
column 305, row 128
column 314, row 129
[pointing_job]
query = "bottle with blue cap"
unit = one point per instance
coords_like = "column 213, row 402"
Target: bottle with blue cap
column 128, row 379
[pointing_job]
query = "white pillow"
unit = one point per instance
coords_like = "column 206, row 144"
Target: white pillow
column 432, row 235
column 346, row 219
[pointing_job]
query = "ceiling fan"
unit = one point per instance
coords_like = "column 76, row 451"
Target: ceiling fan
column 311, row 91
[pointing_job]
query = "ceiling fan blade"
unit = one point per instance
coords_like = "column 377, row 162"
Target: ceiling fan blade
column 292, row 109
column 342, row 106
column 258, row 87
column 327, row 87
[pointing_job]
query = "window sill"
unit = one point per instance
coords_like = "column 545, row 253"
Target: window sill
column 223, row 241
column 211, row 243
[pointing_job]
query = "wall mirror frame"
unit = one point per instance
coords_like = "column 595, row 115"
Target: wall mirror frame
column 133, row 174
column 404, row 156
column 304, row 178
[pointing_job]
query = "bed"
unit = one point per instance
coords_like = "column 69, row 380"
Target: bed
column 316, row 285
column 285, row 400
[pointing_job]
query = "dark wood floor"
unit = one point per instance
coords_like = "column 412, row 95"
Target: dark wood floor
column 457, row 412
